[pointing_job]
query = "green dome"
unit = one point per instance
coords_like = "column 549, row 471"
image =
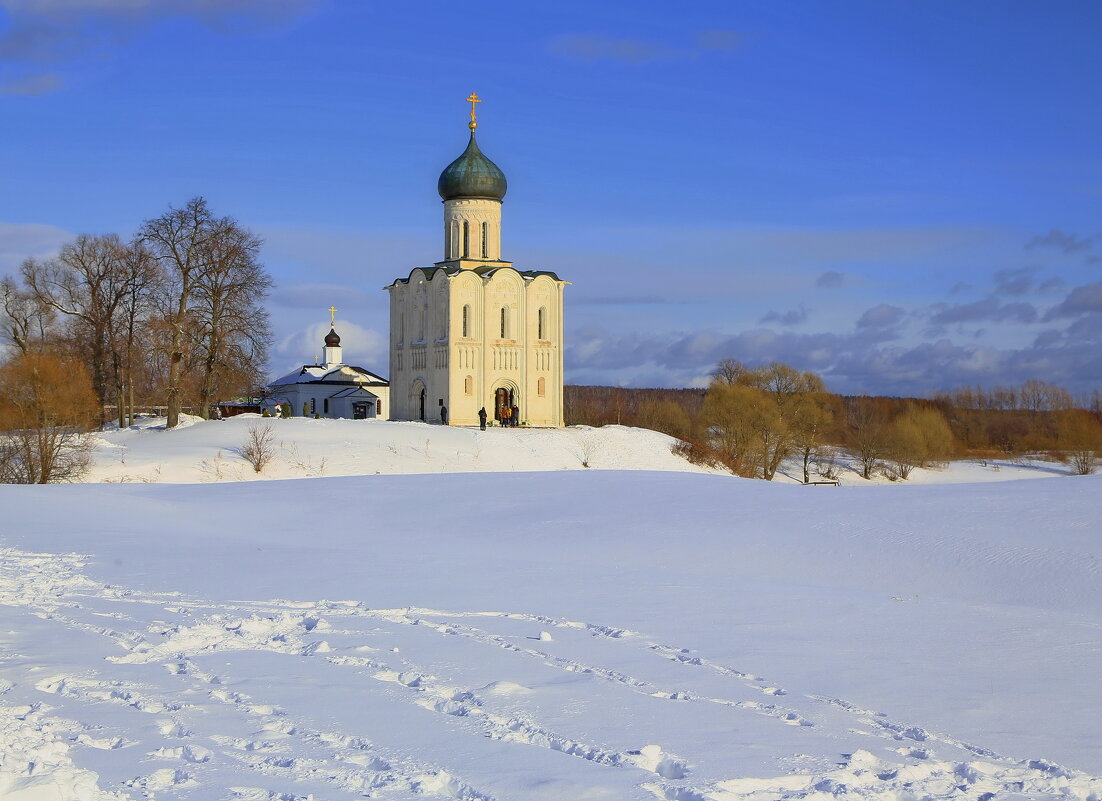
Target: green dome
column 472, row 175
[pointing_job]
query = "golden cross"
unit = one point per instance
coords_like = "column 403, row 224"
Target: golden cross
column 332, row 316
column 473, row 99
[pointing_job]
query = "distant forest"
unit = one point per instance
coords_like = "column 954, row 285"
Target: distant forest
column 751, row 419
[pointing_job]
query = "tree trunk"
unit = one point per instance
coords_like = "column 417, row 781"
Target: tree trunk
column 174, row 363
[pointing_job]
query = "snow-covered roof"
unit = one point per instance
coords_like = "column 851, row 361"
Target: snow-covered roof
column 341, row 374
column 351, row 391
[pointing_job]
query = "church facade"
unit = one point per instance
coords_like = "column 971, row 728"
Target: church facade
column 473, row 331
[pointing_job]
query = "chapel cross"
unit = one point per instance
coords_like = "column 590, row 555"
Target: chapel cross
column 332, row 316
column 473, row 99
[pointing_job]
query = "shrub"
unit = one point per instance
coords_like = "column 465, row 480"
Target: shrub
column 46, row 407
column 258, row 449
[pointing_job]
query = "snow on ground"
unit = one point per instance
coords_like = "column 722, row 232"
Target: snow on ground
column 557, row 635
column 206, row 451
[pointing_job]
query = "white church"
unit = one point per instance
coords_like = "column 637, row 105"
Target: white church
column 333, row 388
column 472, row 331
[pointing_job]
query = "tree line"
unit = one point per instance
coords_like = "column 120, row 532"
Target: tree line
column 753, row 420
column 174, row 316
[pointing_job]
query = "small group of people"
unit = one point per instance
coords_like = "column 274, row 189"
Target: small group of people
column 508, row 416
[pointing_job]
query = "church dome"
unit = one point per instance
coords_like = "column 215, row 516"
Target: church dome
column 472, row 175
column 331, row 339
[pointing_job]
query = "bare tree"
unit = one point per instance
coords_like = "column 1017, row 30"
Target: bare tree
column 180, row 242
column 763, row 414
column 87, row 284
column 142, row 276
column 232, row 325
column 866, row 435
column 729, row 371
column 808, row 428
column 23, row 320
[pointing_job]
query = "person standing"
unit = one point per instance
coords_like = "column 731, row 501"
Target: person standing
column 482, row 418
column 515, row 415
column 443, row 414
column 505, row 412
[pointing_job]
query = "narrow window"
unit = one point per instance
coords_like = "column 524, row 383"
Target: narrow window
column 313, row 405
column 504, row 321
column 541, row 387
column 466, row 239
column 325, row 405
column 468, row 385
column 378, row 408
column 485, row 240
column 542, row 319
column 467, row 320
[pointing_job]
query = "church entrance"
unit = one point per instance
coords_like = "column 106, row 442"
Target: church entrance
column 416, row 402
column 359, row 411
column 503, row 398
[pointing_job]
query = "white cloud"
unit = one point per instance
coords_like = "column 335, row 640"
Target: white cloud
column 18, row 241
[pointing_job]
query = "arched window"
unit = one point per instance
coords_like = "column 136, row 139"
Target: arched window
column 466, row 239
column 542, row 323
column 504, row 322
column 485, row 240
column 541, row 387
column 467, row 320
column 468, row 385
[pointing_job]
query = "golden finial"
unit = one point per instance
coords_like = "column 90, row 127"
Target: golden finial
column 472, row 100
column 332, row 316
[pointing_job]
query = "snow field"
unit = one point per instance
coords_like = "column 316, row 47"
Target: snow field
column 591, row 634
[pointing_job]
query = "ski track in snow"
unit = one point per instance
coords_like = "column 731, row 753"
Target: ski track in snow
column 284, row 750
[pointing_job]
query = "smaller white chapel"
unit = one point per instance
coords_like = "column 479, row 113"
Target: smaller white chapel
column 333, row 389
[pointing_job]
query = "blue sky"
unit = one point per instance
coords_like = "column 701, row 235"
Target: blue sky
column 902, row 195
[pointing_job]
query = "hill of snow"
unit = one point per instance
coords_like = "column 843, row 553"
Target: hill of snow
column 204, row 451
column 523, row 636
column 201, row 451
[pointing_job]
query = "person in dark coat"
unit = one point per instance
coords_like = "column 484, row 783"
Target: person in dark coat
column 515, row 416
column 443, row 414
column 482, row 418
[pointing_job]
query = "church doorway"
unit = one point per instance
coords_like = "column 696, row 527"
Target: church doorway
column 359, row 411
column 504, row 397
column 417, row 400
